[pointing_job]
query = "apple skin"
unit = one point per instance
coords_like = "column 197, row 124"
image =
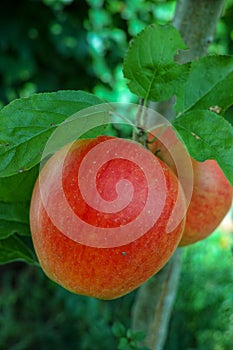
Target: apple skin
column 211, row 200
column 212, row 193
column 104, row 273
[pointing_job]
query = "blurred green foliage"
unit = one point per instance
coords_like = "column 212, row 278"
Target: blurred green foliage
column 35, row 313
column 43, row 48
column 203, row 314
column 64, row 44
column 47, row 45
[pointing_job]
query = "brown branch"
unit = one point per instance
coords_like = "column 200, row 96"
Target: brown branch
column 196, row 21
column 156, row 295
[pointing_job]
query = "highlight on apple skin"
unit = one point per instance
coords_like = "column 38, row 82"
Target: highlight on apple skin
column 99, row 216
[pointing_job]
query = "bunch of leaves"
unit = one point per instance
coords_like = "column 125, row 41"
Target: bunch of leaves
column 26, row 125
column 128, row 339
column 202, row 315
column 202, row 89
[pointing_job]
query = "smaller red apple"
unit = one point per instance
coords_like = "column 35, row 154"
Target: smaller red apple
column 211, row 193
column 211, row 200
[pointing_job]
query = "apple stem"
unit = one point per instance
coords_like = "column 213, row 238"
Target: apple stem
column 140, row 131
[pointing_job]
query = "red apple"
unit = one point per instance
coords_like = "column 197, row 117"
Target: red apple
column 102, row 216
column 211, row 194
column 210, row 202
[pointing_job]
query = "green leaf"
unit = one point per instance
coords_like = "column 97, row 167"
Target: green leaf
column 14, row 218
column 228, row 115
column 208, row 86
column 150, row 66
column 14, row 249
column 18, row 188
column 207, row 136
column 9, row 228
column 139, row 336
column 123, row 344
column 118, row 329
column 27, row 123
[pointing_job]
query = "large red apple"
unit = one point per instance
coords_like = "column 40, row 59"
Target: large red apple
column 103, row 217
column 211, row 194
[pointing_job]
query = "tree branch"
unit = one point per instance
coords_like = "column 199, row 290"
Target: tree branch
column 196, row 21
column 156, row 296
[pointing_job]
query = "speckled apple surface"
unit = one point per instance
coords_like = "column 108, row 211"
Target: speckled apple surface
column 104, row 273
column 210, row 202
